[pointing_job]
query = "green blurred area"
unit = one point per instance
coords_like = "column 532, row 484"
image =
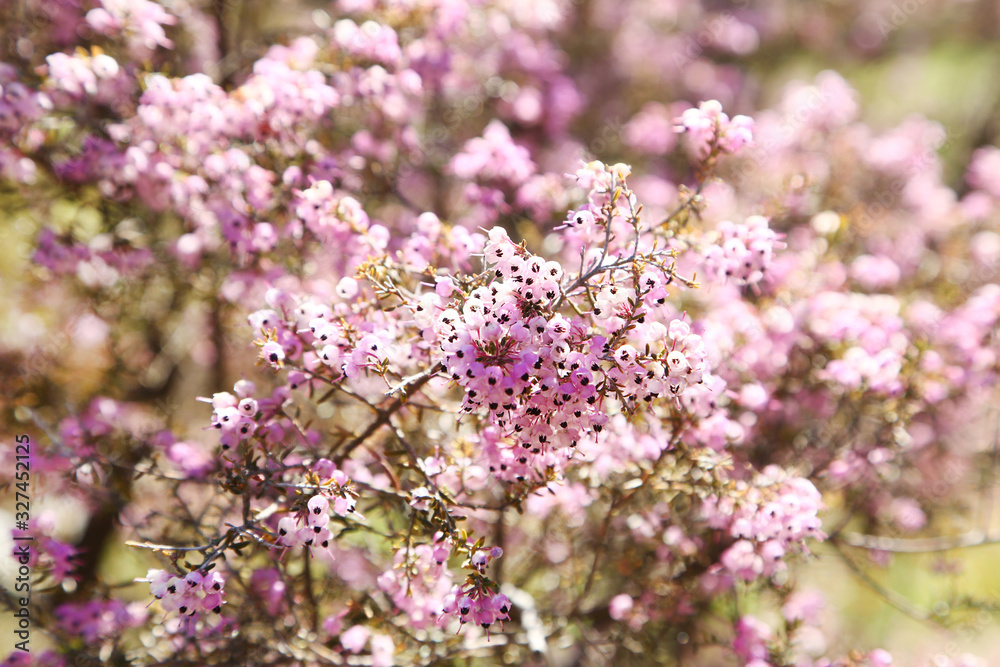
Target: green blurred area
column 865, row 618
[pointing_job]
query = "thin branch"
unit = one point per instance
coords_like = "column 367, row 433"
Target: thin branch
column 598, row 549
column 890, row 596
column 414, row 381
column 691, row 200
column 310, row 595
column 917, row 545
column 987, row 513
column 165, row 547
column 384, row 414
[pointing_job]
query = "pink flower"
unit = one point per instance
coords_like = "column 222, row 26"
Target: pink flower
column 383, row 649
column 355, row 638
column 805, row 606
column 273, row 353
column 708, row 128
column 880, row 658
column 620, row 606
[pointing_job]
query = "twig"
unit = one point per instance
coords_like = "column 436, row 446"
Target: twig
column 599, row 547
column 384, row 414
column 690, row 201
column 890, row 596
column 991, row 480
column 165, row 547
column 310, row 595
column 415, row 381
column 916, row 545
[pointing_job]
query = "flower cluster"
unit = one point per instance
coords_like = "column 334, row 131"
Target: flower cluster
column 194, row 594
column 370, row 41
column 543, row 378
column 140, row 21
column 96, row 620
column 56, row 558
column 744, row 252
column 710, row 129
column 478, row 600
column 517, row 359
column 870, row 331
column 235, row 415
column 94, row 75
column 774, row 518
column 420, row 581
column 315, row 531
column 100, row 263
column 310, row 525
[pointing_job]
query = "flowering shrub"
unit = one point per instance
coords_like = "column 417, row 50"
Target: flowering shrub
column 518, row 397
